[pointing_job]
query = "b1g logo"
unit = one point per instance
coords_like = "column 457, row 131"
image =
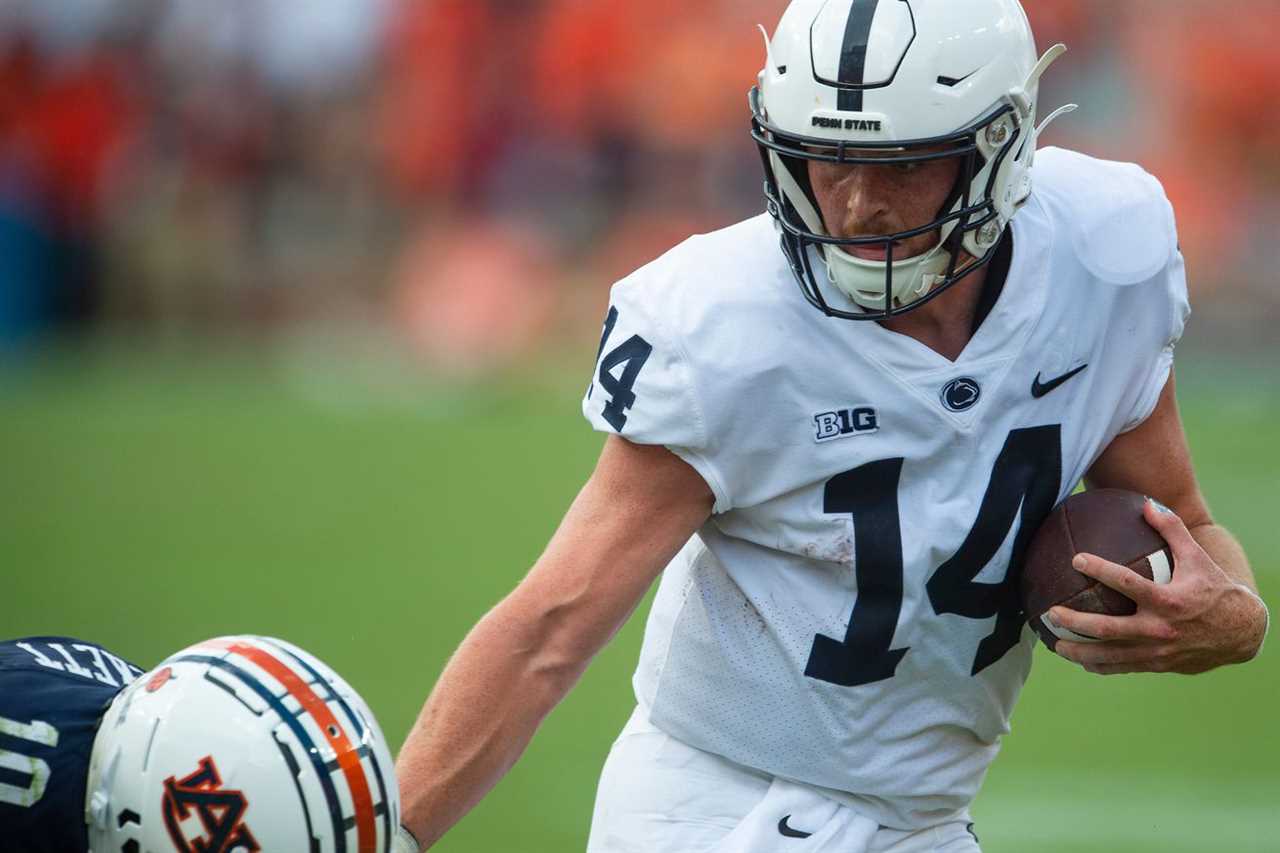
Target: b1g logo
column 220, row 827
column 843, row 423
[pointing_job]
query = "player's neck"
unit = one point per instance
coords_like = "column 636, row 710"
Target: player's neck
column 945, row 324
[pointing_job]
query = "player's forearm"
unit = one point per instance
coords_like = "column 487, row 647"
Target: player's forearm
column 496, row 690
column 639, row 508
column 1250, row 617
column 1219, row 544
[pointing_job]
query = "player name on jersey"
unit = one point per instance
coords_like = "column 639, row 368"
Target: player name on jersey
column 82, row 660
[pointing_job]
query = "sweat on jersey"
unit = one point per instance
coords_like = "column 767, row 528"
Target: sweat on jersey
column 847, row 618
column 53, row 693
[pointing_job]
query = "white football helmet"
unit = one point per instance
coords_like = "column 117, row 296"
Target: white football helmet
column 892, row 82
column 238, row 745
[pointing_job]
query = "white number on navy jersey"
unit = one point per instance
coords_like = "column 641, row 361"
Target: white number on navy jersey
column 38, row 770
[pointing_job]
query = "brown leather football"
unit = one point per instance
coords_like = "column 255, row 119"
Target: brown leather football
column 1107, row 523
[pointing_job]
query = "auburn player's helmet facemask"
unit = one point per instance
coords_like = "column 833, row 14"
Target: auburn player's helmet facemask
column 890, row 83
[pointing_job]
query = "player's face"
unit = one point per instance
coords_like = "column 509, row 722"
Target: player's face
column 862, row 200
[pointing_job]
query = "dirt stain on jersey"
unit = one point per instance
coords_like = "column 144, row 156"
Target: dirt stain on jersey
column 753, row 617
column 838, row 550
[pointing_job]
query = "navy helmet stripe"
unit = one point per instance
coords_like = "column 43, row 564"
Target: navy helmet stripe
column 360, row 735
column 308, row 743
column 853, row 52
column 295, row 772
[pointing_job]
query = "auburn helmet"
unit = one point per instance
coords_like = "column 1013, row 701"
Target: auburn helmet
column 238, row 745
column 895, row 83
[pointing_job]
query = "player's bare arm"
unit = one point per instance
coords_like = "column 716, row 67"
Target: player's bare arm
column 1210, row 614
column 639, row 507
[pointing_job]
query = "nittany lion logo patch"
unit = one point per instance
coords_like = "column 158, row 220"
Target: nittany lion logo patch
column 204, row 817
column 960, row 395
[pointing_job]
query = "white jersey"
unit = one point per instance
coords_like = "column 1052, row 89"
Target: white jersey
column 847, row 618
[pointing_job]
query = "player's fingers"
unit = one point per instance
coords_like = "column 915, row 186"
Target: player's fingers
column 1167, row 523
column 1105, row 627
column 1120, row 578
column 1142, row 656
column 1112, row 668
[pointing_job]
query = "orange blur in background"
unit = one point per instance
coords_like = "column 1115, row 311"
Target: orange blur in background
column 469, row 176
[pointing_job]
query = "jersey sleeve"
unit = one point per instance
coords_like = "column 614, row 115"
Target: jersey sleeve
column 642, row 387
column 1122, row 231
column 1168, row 318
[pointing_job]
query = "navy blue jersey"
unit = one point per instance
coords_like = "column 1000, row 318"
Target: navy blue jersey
column 53, row 693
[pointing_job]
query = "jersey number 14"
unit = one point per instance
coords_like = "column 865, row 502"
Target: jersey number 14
column 1023, row 488
column 631, row 355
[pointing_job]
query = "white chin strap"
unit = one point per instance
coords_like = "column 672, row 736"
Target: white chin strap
column 863, row 280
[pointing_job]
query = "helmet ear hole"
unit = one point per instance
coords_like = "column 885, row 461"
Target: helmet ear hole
column 125, row 818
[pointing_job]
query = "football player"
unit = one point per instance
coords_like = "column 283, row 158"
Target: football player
column 840, row 479
column 234, row 745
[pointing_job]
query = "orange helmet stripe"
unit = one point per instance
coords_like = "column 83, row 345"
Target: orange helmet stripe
column 347, row 757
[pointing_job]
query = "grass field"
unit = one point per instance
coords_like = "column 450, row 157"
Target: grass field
column 372, row 516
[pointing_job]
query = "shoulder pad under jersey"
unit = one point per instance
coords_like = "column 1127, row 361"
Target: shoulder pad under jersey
column 1118, row 219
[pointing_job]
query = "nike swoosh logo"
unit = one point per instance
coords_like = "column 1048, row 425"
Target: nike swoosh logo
column 1039, row 389
column 788, row 832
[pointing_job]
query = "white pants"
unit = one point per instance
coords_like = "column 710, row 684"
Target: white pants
column 659, row 795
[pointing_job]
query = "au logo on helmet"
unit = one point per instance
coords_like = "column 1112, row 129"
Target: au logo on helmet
column 220, row 812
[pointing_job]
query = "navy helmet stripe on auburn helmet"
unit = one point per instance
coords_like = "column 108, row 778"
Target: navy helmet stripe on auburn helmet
column 308, row 743
column 295, row 772
column 853, row 53
column 356, row 722
column 346, row 755
column 241, row 701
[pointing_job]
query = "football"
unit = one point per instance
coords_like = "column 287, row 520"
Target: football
column 1107, row 523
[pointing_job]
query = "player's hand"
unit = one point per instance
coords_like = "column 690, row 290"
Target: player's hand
column 1200, row 620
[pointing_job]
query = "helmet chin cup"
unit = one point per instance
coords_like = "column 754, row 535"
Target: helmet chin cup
column 864, row 281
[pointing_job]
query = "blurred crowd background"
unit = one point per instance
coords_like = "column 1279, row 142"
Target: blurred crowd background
column 469, row 176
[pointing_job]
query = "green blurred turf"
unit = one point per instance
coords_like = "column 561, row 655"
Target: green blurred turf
column 372, row 517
